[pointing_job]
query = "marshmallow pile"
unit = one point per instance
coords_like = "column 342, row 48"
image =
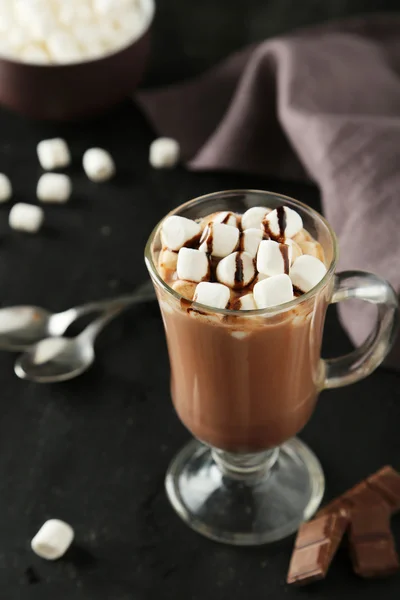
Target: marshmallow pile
column 54, row 187
column 238, row 262
column 69, row 31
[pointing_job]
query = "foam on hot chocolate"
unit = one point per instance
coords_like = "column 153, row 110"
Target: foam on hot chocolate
column 239, row 252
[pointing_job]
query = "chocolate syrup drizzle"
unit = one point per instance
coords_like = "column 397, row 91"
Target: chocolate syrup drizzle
column 297, row 291
column 285, row 255
column 239, row 276
column 280, row 211
column 281, row 214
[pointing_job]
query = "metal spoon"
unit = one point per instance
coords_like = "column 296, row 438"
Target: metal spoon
column 60, row 358
column 22, row 326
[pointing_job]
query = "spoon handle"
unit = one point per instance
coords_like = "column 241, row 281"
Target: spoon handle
column 142, row 293
column 116, row 307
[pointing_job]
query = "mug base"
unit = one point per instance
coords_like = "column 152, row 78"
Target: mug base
column 245, row 509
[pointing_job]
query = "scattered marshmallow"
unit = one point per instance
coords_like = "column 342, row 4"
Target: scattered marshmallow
column 212, row 294
column 193, row 265
column 53, row 154
column 98, row 164
column 296, row 251
column 226, row 217
column 273, row 258
column 246, row 302
column 178, row 232
column 54, row 187
column 16, row 318
column 5, row 188
column 273, row 291
column 219, row 240
column 250, row 240
column 236, row 270
column 184, row 288
column 26, row 217
column 291, row 218
column 48, row 349
column 253, row 218
column 53, row 539
column 306, row 272
column 164, row 153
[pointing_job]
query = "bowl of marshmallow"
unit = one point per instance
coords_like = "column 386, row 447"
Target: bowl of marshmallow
column 67, row 59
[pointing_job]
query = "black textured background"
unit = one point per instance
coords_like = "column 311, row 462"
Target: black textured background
column 94, row 451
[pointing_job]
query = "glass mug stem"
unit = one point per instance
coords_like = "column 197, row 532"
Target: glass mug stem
column 366, row 358
column 245, row 466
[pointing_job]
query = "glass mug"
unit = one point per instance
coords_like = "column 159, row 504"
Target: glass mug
column 246, row 382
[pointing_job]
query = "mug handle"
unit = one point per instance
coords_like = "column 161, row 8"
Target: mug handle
column 363, row 360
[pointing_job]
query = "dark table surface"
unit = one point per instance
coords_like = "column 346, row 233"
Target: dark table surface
column 94, row 451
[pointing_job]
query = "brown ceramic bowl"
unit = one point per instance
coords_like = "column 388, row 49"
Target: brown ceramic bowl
column 76, row 90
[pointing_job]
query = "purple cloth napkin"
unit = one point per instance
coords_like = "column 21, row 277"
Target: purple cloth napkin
column 324, row 104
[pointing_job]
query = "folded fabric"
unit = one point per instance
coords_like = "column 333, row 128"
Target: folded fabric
column 323, row 103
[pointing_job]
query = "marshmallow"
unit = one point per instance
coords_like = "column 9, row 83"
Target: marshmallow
column 313, row 249
column 246, row 303
column 33, row 53
column 295, row 252
column 184, row 288
column 164, row 153
column 63, row 48
column 302, row 236
column 98, row 164
column 26, row 217
column 283, row 216
column 273, row 291
column 36, row 17
column 53, row 154
column 47, row 349
column 212, row 294
column 178, row 232
column 16, row 318
column 219, row 240
column 5, row 188
column 168, row 260
column 253, row 218
column 273, row 258
column 250, row 240
column 260, row 277
column 193, row 265
column 70, row 13
column 108, row 6
column 236, row 270
column 54, row 187
column 226, row 217
column 306, row 272
column 53, row 539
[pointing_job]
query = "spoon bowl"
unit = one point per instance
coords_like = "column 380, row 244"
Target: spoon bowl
column 55, row 359
column 22, row 326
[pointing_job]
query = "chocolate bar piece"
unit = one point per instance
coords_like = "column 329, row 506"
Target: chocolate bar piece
column 316, row 544
column 381, row 488
column 386, row 482
column 372, row 547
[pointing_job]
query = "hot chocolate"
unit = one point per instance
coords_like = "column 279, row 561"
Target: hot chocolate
column 242, row 381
